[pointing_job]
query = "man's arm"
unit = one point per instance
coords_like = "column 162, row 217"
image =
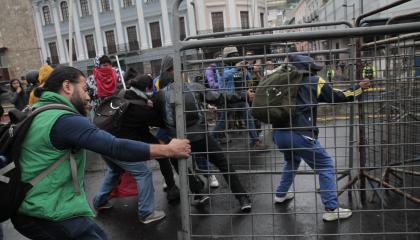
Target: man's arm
column 328, row 94
column 74, row 131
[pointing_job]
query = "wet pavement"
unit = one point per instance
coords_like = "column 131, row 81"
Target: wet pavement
column 300, row 218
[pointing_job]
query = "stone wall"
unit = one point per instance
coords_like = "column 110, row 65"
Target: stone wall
column 17, row 34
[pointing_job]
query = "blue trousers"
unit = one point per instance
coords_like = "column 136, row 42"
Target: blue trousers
column 77, row 228
column 296, row 147
column 245, row 114
column 143, row 177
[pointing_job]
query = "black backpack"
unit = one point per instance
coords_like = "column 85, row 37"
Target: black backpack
column 275, row 97
column 110, row 112
column 12, row 189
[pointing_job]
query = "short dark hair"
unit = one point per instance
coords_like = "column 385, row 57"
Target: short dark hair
column 104, row 59
column 141, row 82
column 55, row 81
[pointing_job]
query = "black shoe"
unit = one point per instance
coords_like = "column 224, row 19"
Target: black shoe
column 245, row 203
column 201, row 200
column 172, row 194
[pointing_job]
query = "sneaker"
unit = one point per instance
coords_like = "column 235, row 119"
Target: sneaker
column 259, row 146
column 289, row 195
column 201, row 200
column 155, row 216
column 338, row 213
column 172, row 194
column 104, row 206
column 245, row 203
column 214, row 183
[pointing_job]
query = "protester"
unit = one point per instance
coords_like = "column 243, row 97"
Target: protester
column 300, row 141
column 135, row 125
column 43, row 74
column 234, row 86
column 17, row 94
column 196, row 128
column 52, row 209
column 104, row 82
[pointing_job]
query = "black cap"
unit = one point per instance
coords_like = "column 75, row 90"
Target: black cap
column 303, row 62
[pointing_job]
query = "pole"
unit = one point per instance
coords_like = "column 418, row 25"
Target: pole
column 121, row 75
column 71, row 33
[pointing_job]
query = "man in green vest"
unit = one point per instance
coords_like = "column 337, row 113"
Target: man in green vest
column 53, row 209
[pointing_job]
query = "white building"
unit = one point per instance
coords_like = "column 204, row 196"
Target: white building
column 134, row 28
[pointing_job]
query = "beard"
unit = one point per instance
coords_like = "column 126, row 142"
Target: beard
column 79, row 103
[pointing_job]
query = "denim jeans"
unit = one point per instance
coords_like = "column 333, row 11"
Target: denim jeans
column 244, row 113
column 311, row 151
column 141, row 174
column 80, row 228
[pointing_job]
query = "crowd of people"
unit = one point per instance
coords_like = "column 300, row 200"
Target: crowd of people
column 53, row 210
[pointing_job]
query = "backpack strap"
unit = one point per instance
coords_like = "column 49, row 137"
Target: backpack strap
column 73, row 164
column 5, row 170
column 73, row 167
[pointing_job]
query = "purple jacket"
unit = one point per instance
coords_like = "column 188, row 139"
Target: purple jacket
column 212, row 76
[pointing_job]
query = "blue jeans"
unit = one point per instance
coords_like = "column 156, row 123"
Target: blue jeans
column 311, row 151
column 245, row 114
column 143, row 177
column 80, row 228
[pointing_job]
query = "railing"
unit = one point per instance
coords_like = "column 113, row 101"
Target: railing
column 130, row 47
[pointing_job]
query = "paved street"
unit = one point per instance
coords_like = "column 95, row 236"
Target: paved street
column 300, row 218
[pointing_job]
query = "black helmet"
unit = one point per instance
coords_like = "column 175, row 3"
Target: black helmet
column 32, row 77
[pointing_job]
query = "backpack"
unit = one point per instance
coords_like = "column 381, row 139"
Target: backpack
column 110, row 112
column 275, row 97
column 12, row 189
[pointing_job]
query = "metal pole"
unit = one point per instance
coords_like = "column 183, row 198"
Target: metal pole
column 184, row 233
column 121, row 75
column 325, row 34
column 71, row 33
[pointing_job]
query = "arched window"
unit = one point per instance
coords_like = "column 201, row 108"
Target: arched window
column 46, row 14
column 64, row 10
column 105, row 5
column 84, row 7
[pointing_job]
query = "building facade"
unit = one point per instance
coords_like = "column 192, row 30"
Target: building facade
column 139, row 31
column 19, row 50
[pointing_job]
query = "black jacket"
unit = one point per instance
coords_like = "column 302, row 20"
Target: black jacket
column 138, row 118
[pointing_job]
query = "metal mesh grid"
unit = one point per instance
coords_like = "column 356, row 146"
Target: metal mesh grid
column 373, row 140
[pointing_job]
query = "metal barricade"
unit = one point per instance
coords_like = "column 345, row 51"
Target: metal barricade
column 372, row 139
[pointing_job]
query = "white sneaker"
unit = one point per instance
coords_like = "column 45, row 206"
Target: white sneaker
column 153, row 217
column 338, row 213
column 213, row 181
column 289, row 195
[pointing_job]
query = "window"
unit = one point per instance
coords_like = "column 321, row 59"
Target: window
column 47, row 15
column 90, row 45
column 105, row 5
column 64, row 10
column 110, row 41
column 133, row 42
column 84, row 7
column 262, row 19
column 127, row 3
column 244, row 19
column 217, row 21
column 182, row 28
column 74, row 58
column 155, row 33
column 53, row 52
column 155, row 64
